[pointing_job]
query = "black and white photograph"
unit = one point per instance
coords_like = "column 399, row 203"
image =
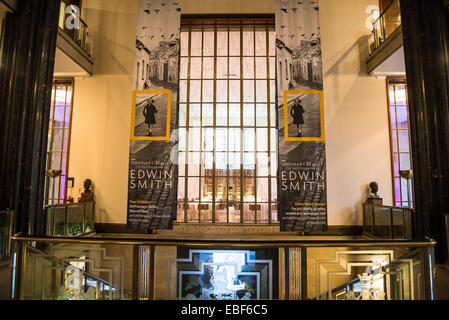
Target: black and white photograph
column 302, row 188
column 304, row 115
column 151, row 116
column 157, row 46
column 152, row 169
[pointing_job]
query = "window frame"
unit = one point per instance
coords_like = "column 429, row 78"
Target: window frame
column 399, row 81
column 214, row 25
column 61, row 198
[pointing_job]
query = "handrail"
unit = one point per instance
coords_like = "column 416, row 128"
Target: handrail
column 383, row 12
column 232, row 243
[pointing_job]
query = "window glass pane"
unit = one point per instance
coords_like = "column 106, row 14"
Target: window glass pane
column 208, row 163
column 261, row 43
column 222, row 140
column 182, row 115
column 248, row 68
column 274, row 164
column 274, row 139
column 403, row 141
column 273, row 68
column 396, row 164
column 181, row 164
column 195, row 115
column 183, row 68
column 222, row 43
column 57, row 139
column 261, row 115
column 181, row 189
column 195, row 91
column 272, row 43
column 401, row 96
column 234, row 160
column 220, row 164
column 234, row 91
column 222, row 114
column 222, row 90
column 249, row 161
column 209, row 39
column 273, row 91
column 182, row 139
column 262, row 165
column 194, row 139
column 183, row 91
column 234, row 43
column 405, row 161
column 193, row 189
column 393, row 117
column 391, row 92
column 196, row 47
column 394, row 140
column 248, row 91
column 208, row 91
column 262, row 139
column 208, row 139
column 402, row 117
column 248, row 140
column 194, row 164
column 222, row 68
column 262, row 190
column 273, row 115
column 208, row 115
column 261, row 68
column 261, row 91
column 248, row 42
column 55, row 161
column 248, row 115
column 234, row 115
column 234, row 142
column 184, row 43
column 234, row 68
column 208, row 68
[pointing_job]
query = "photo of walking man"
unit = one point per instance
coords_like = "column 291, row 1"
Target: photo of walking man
column 149, row 112
column 297, row 113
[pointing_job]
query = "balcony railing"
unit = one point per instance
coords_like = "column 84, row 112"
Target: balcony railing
column 386, row 24
column 70, row 219
column 386, row 222
column 6, row 230
column 170, row 266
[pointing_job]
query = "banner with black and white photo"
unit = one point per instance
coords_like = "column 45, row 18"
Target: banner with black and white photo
column 302, row 183
column 153, row 154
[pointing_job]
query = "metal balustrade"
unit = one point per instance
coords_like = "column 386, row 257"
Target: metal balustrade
column 160, row 267
column 70, row 219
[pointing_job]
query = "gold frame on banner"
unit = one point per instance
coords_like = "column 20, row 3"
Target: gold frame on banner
column 323, row 128
column 133, row 115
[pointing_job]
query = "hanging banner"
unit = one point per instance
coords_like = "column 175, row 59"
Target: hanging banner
column 302, row 151
column 153, row 171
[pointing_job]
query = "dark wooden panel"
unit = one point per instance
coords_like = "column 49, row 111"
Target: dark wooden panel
column 425, row 30
column 25, row 88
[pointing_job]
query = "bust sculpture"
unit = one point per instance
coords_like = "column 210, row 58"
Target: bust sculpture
column 87, row 185
column 374, row 189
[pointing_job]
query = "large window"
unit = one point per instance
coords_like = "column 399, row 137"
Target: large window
column 400, row 141
column 58, row 142
column 227, row 124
